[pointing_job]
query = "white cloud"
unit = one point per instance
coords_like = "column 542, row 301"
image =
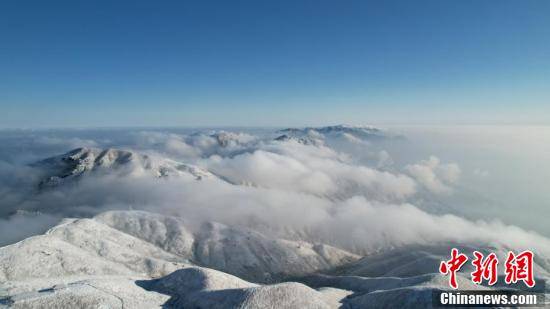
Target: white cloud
column 434, row 176
column 311, row 192
column 310, row 169
column 480, row 173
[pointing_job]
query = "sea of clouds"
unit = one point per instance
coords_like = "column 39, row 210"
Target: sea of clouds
column 408, row 186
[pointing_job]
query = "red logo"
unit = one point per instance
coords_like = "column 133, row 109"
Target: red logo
column 520, row 268
column 517, row 268
column 452, row 266
column 485, row 268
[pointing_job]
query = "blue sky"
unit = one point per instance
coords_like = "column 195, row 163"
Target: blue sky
column 256, row 63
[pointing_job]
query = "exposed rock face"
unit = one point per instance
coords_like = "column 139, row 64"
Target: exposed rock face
column 231, row 139
column 305, row 140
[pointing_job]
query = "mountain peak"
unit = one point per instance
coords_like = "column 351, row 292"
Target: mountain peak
column 81, row 161
column 362, row 132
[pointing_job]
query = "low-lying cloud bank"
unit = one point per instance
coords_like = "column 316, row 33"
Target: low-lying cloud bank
column 438, row 178
column 291, row 187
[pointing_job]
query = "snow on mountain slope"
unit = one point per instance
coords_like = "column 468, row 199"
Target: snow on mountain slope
column 239, row 251
column 305, row 140
column 223, row 143
column 122, row 259
column 169, row 233
column 204, row 288
column 93, row 262
column 405, row 277
column 386, row 292
column 84, row 247
column 141, row 243
column 410, row 261
column 80, row 292
column 81, row 161
column 349, row 132
column 190, row 287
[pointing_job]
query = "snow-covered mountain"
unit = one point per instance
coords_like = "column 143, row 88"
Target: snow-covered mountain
column 122, row 259
column 188, row 287
column 232, row 139
column 90, row 260
column 135, row 242
column 239, row 251
column 81, row 161
column 349, row 132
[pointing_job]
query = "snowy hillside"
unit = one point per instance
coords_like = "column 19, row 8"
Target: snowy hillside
column 134, row 242
column 242, row 252
column 143, row 260
column 81, row 161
